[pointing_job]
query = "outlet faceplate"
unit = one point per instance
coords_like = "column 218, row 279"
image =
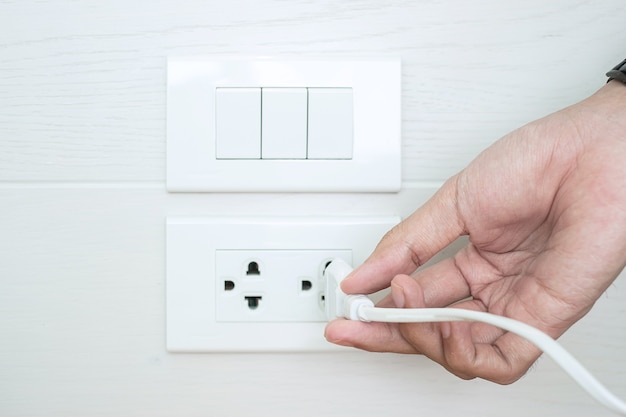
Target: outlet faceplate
column 214, row 305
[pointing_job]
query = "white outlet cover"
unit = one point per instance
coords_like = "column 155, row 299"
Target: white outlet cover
column 193, row 244
column 192, row 165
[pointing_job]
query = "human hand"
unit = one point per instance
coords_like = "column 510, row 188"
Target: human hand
column 545, row 212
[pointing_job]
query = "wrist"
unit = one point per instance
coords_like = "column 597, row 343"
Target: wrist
column 612, row 101
column 604, row 112
column 616, row 86
column 611, row 98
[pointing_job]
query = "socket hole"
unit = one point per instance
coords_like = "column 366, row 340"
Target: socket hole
column 253, row 301
column 306, row 285
column 253, row 269
column 229, row 285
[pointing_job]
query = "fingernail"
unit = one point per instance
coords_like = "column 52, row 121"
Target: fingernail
column 397, row 294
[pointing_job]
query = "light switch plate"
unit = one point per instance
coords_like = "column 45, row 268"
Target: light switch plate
column 199, row 249
column 192, row 165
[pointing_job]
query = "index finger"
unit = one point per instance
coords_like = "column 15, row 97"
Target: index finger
column 411, row 243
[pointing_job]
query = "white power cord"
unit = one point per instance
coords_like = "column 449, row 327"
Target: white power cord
column 360, row 307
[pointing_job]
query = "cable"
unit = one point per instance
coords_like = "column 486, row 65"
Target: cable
column 544, row 342
column 360, row 307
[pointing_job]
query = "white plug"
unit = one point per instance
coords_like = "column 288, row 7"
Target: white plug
column 339, row 304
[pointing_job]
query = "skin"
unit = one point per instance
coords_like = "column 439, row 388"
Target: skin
column 545, row 212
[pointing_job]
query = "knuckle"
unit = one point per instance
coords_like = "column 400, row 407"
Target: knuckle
column 498, row 369
column 396, row 241
column 500, row 373
column 464, row 376
column 505, row 378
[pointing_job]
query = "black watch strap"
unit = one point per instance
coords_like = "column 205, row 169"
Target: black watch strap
column 618, row 73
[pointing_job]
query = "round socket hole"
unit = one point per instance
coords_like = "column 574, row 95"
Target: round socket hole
column 253, row 269
column 229, row 285
column 306, row 285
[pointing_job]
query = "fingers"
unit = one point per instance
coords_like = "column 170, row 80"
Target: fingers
column 373, row 337
column 503, row 361
column 411, row 243
column 442, row 284
column 437, row 286
column 466, row 349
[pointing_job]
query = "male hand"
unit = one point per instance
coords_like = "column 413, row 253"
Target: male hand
column 545, row 212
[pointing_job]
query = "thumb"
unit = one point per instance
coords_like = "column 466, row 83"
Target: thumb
column 411, row 243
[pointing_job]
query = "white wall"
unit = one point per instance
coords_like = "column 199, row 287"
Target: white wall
column 82, row 198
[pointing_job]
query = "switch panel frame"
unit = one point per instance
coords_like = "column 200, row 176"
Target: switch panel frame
column 192, row 164
column 192, row 245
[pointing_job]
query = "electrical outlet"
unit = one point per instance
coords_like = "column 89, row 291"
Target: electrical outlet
column 272, row 285
column 254, row 284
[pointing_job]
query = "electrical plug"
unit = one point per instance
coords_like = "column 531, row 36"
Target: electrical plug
column 338, row 304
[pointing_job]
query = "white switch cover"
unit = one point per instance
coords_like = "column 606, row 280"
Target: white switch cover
column 284, row 123
column 238, row 123
column 330, row 123
column 226, row 279
column 375, row 161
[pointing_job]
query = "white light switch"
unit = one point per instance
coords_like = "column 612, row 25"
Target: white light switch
column 238, row 123
column 330, row 123
column 284, row 123
column 263, row 125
